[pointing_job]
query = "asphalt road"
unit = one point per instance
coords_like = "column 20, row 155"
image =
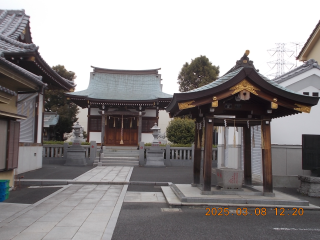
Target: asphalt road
column 52, row 171
column 147, row 221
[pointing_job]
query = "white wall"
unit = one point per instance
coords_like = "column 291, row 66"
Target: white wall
column 94, row 111
column 164, row 120
column 40, row 113
column 82, row 118
column 146, row 137
column 95, row 136
column 150, row 113
column 30, row 158
column 289, row 130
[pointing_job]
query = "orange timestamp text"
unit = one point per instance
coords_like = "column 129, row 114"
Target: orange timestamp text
column 253, row 212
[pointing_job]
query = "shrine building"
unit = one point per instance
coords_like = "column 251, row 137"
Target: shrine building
column 123, row 105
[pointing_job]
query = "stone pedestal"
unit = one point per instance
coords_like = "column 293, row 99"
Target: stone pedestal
column 229, row 178
column 309, row 186
column 155, row 156
column 76, row 155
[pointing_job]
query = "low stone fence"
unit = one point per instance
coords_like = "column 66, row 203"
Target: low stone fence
column 57, row 153
column 176, row 156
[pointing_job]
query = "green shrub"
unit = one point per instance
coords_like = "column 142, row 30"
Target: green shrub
column 181, row 131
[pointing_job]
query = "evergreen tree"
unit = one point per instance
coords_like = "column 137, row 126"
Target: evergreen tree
column 56, row 101
column 196, row 74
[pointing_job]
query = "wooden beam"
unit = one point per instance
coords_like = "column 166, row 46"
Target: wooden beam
column 207, row 158
column 247, row 155
column 103, row 117
column 197, row 152
column 266, row 157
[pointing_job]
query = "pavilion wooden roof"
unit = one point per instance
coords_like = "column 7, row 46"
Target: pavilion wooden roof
column 267, row 98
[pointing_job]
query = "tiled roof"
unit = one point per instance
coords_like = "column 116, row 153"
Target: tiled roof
column 306, row 43
column 123, row 87
column 13, row 24
column 310, row 64
column 31, row 76
column 8, row 91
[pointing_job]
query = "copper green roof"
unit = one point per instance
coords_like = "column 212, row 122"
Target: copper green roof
column 124, row 85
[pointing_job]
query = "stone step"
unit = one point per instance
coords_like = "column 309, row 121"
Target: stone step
column 121, row 154
column 119, row 148
column 116, row 162
column 118, row 159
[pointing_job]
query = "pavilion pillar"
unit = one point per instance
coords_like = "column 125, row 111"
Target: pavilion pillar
column 102, row 127
column 197, row 153
column 139, row 127
column 247, row 155
column 207, row 158
column 266, row 157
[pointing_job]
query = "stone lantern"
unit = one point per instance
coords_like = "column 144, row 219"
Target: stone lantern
column 155, row 155
column 76, row 154
column 155, row 133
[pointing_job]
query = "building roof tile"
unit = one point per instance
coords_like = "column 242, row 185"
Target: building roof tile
column 113, row 86
column 13, row 25
column 310, row 64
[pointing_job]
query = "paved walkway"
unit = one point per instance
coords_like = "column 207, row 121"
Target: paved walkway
column 74, row 212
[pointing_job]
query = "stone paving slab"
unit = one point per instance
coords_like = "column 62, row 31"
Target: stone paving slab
column 156, row 197
column 76, row 211
column 191, row 193
column 106, row 174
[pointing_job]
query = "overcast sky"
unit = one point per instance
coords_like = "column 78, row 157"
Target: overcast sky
column 163, row 34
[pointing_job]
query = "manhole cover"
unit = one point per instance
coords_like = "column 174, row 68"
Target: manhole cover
column 171, row 210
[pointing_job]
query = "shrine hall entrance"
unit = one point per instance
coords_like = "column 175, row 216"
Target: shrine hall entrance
column 121, row 129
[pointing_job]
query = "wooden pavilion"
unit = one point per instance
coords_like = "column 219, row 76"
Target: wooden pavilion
column 240, row 98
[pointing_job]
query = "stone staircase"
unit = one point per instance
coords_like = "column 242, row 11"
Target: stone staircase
column 118, row 156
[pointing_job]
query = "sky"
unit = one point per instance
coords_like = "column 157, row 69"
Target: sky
column 135, row 34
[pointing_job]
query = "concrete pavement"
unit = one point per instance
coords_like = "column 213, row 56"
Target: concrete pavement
column 76, row 211
column 89, row 208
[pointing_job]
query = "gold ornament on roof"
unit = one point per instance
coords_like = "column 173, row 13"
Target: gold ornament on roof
column 244, row 85
column 215, row 102
column 186, row 105
column 302, row 108
column 274, row 105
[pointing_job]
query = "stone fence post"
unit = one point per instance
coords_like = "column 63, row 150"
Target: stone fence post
column 93, row 150
column 65, row 150
column 167, row 152
column 141, row 154
column 192, row 152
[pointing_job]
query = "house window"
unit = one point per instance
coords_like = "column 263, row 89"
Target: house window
column 315, row 94
column 306, row 93
column 95, row 124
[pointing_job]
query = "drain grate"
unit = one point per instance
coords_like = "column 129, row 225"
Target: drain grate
column 171, row 210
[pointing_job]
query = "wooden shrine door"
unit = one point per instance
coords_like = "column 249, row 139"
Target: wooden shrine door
column 117, row 124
